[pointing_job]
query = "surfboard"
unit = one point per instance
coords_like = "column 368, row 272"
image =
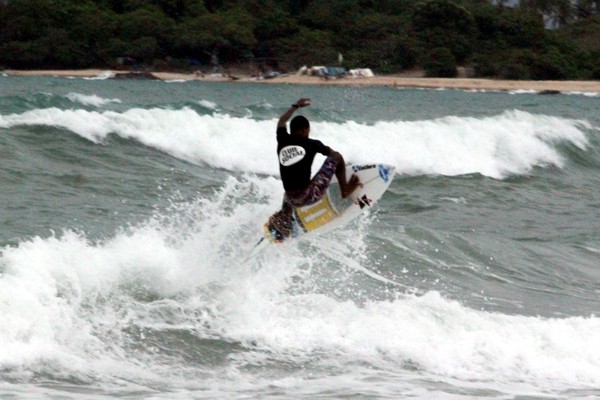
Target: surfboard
column 331, row 211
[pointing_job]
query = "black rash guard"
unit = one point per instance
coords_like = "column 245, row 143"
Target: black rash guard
column 296, row 155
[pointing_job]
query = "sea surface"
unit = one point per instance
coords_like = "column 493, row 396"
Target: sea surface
column 128, row 210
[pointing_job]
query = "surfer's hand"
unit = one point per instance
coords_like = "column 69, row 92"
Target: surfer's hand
column 303, row 103
column 300, row 103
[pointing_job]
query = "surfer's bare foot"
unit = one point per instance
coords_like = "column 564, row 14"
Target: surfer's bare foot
column 352, row 185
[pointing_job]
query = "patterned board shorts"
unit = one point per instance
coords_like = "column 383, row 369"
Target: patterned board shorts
column 280, row 223
column 317, row 186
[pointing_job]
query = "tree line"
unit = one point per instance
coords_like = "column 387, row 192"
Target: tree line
column 491, row 37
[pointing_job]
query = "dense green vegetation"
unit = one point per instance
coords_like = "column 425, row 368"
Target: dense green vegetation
column 385, row 35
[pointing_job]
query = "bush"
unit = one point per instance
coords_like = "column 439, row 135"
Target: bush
column 515, row 71
column 26, row 55
column 528, row 64
column 144, row 49
column 445, row 24
column 440, row 63
column 484, row 66
column 308, row 47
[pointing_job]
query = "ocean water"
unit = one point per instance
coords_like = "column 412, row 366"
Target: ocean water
column 128, row 210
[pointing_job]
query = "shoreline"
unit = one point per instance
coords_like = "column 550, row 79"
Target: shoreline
column 397, row 81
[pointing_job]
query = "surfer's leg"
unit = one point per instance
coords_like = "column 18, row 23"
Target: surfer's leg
column 318, row 184
column 347, row 187
column 281, row 221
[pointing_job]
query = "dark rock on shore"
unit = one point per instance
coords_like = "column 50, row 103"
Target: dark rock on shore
column 135, row 75
column 550, row 92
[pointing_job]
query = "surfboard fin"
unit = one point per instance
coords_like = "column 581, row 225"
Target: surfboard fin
column 262, row 243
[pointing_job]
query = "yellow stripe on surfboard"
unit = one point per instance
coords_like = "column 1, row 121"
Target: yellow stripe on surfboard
column 316, row 215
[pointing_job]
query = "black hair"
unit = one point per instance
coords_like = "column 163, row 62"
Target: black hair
column 298, row 123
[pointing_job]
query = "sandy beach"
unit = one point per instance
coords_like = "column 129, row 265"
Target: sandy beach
column 399, row 80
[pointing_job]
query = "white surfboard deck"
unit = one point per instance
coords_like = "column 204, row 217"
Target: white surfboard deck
column 332, row 211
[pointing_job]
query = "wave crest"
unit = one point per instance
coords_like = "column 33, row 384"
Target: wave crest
column 511, row 143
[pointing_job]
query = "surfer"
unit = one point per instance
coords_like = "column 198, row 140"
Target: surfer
column 296, row 152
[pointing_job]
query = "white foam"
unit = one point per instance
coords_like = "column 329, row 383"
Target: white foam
column 67, row 303
column 523, row 91
column 90, row 100
column 511, row 143
column 208, row 104
column 586, row 94
column 64, row 301
column 102, row 76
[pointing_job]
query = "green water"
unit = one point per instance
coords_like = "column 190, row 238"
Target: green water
column 128, row 209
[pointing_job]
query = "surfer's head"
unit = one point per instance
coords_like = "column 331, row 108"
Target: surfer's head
column 300, row 126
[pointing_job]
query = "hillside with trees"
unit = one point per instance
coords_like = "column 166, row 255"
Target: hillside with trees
column 551, row 39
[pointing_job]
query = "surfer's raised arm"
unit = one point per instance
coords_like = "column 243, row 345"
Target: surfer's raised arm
column 299, row 104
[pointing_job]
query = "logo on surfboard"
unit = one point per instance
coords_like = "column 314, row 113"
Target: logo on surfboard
column 384, row 173
column 363, row 202
column 290, row 155
column 357, row 168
